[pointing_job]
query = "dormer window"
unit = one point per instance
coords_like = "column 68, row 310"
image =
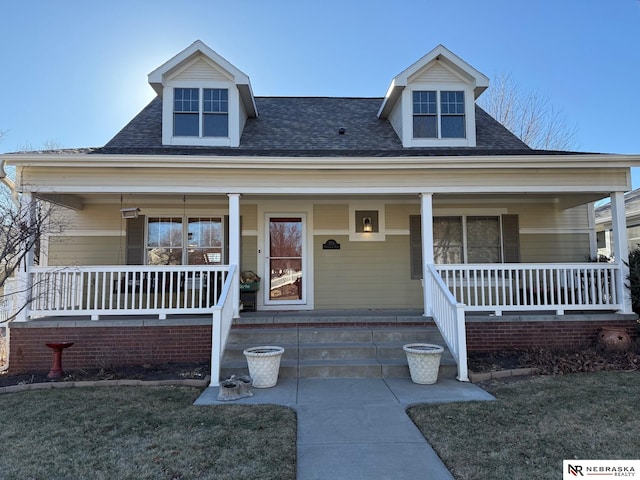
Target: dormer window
column 215, row 116
column 432, row 103
column 429, row 121
column 195, row 118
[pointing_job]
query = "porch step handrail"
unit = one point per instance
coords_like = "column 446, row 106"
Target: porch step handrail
column 448, row 314
column 125, row 289
column 535, row 286
column 223, row 314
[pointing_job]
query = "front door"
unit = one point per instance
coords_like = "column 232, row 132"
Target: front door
column 285, row 260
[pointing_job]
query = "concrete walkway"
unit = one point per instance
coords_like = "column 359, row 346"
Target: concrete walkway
column 357, row 428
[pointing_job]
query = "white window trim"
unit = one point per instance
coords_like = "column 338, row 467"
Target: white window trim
column 469, row 112
column 378, row 236
column 464, row 216
column 184, row 216
column 233, row 140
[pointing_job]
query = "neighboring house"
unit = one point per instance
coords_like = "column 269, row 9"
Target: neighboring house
column 336, row 203
column 604, row 229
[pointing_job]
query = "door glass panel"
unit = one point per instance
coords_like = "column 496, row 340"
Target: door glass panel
column 285, row 263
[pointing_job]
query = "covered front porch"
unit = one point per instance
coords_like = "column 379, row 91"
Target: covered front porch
column 542, row 296
column 371, row 267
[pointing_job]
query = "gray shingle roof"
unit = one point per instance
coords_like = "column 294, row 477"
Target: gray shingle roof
column 631, row 207
column 308, row 126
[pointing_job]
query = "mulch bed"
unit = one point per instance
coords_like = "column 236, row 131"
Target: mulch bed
column 172, row 371
column 556, row 362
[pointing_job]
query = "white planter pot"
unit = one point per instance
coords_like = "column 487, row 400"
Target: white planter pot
column 424, row 362
column 264, row 364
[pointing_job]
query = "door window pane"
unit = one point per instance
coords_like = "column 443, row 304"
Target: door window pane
column 285, row 264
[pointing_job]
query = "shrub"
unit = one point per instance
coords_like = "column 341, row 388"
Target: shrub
column 634, row 279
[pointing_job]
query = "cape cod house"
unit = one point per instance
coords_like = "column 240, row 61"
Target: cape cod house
column 418, row 201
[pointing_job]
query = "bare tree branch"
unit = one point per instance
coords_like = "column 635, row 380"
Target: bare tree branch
column 528, row 115
column 21, row 230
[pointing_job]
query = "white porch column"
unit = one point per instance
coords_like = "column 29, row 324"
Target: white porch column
column 426, row 213
column 22, row 295
column 234, row 248
column 621, row 247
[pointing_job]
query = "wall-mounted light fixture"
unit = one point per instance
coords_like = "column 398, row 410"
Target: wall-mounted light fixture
column 366, row 225
column 130, row 212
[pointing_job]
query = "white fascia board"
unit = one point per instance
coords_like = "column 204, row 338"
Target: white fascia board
column 350, row 190
column 196, row 47
column 581, row 161
column 157, row 77
column 449, row 60
column 481, row 80
column 394, row 92
column 248, row 100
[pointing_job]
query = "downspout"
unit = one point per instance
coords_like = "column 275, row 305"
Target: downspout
column 9, row 183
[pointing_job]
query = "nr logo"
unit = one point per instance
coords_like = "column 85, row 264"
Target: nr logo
column 575, row 470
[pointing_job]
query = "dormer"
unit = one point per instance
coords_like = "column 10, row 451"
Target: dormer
column 205, row 100
column 432, row 103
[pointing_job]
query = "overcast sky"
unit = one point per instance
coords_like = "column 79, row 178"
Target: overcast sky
column 75, row 72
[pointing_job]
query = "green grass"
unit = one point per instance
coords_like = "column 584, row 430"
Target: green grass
column 141, row 433
column 535, row 424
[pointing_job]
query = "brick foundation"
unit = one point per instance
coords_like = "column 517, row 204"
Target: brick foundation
column 103, row 347
column 490, row 336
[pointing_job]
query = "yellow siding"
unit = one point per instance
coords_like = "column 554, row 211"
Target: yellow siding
column 449, row 180
column 248, row 257
column 554, row 248
column 87, row 250
column 249, row 214
column 334, row 217
column 92, row 217
column 397, row 215
column 365, row 275
column 549, row 216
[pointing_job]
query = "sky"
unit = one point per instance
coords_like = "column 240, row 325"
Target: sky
column 74, row 72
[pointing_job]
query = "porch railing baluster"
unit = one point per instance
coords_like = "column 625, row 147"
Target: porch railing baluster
column 520, row 287
column 115, row 290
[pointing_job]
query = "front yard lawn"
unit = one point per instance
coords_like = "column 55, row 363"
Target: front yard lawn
column 141, row 433
column 536, row 423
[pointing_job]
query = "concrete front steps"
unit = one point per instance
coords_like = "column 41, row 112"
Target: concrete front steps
column 336, row 352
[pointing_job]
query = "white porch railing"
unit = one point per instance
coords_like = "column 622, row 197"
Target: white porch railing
column 120, row 290
column 223, row 314
column 448, row 314
column 520, row 287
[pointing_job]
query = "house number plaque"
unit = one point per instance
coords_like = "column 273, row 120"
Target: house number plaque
column 331, row 245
